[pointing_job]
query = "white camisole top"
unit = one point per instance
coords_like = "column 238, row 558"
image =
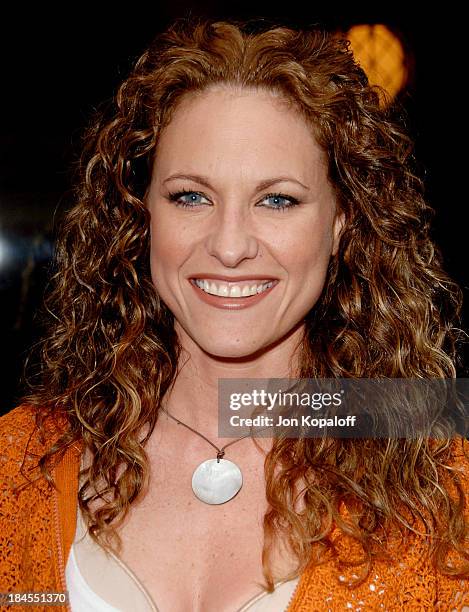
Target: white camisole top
column 98, row 582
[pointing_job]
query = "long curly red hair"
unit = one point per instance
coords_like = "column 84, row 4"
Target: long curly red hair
column 388, row 309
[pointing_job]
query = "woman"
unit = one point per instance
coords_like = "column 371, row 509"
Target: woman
column 247, row 209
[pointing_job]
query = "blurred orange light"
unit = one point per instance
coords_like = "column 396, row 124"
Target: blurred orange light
column 381, row 55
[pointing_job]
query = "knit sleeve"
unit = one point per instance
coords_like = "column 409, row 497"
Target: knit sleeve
column 453, row 593
column 15, row 429
column 25, row 518
column 409, row 582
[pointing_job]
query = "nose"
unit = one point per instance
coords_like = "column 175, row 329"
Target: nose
column 231, row 237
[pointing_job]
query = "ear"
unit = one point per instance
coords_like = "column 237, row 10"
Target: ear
column 339, row 223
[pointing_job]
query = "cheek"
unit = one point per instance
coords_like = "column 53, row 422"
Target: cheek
column 166, row 234
column 170, row 232
column 171, row 244
column 307, row 266
column 309, row 250
column 163, row 251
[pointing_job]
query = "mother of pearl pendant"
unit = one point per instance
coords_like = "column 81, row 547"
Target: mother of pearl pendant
column 216, row 481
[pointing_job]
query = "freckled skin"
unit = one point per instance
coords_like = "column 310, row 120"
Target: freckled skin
column 236, row 138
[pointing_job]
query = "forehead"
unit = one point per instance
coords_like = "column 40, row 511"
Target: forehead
column 239, row 129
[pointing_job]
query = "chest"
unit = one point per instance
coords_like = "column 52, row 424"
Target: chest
column 194, row 556
column 191, row 555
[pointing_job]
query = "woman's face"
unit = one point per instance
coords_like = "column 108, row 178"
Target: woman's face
column 230, row 150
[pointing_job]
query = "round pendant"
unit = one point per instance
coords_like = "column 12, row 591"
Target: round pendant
column 216, row 482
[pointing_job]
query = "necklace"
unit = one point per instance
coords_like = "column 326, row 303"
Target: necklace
column 215, row 481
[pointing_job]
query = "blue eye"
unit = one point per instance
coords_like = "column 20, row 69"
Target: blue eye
column 190, row 202
column 279, row 201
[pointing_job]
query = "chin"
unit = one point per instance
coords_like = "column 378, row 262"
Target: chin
column 232, row 350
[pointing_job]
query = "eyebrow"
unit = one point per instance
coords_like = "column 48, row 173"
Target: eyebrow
column 264, row 184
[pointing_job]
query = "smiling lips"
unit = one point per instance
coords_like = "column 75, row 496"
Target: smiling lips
column 233, row 295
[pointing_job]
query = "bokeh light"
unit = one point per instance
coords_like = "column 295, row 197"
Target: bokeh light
column 381, row 55
column 3, row 253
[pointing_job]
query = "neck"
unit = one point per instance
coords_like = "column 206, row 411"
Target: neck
column 194, row 396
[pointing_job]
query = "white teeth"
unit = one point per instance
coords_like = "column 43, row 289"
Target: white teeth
column 224, row 290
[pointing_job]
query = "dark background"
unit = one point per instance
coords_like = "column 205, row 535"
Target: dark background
column 58, row 65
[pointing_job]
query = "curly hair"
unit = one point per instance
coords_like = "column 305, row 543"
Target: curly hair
column 388, row 309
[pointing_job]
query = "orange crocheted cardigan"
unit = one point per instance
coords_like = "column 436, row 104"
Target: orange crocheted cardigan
column 37, row 528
